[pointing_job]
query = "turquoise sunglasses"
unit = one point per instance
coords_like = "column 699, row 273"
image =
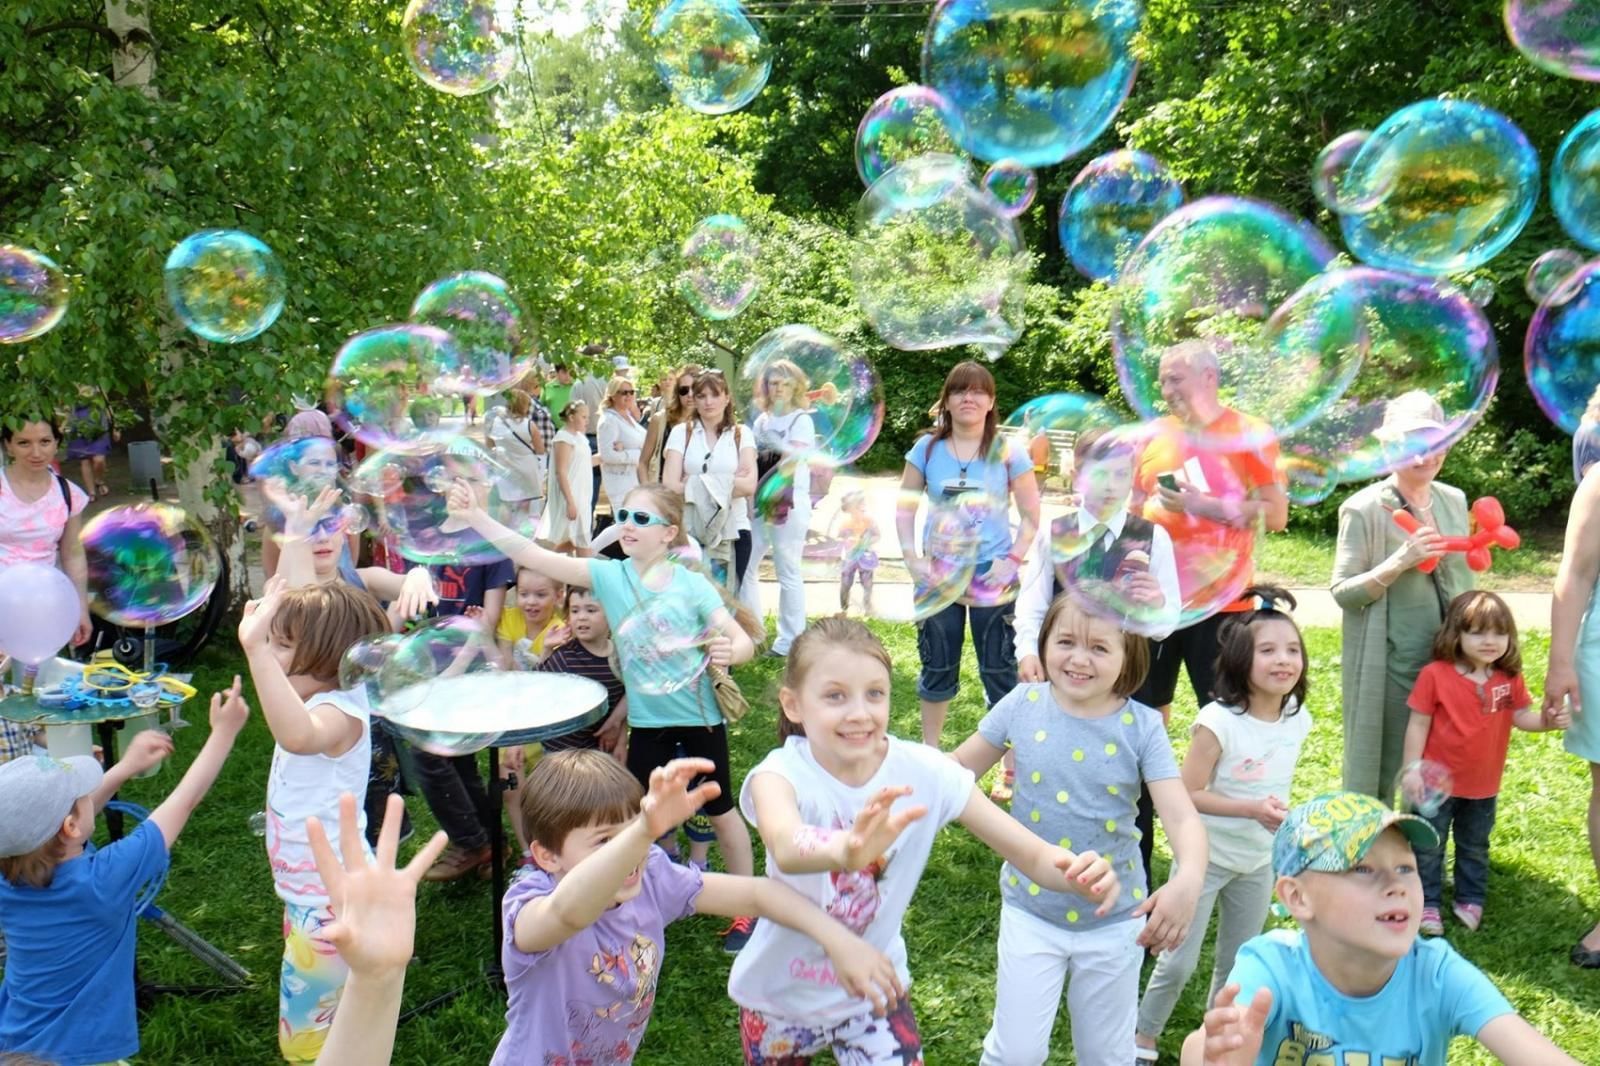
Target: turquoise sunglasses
column 640, row 518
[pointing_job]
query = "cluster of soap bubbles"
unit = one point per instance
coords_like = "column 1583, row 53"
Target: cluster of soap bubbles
column 1113, row 202
column 902, row 124
column 460, row 47
column 721, row 260
column 710, row 55
column 33, row 294
column 149, row 564
column 225, row 285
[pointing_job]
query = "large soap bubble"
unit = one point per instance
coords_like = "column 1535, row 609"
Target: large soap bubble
column 1562, row 36
column 149, row 564
column 937, row 261
column 800, row 368
column 415, row 678
column 33, row 294
column 1561, row 353
column 380, row 378
column 902, row 124
column 1047, row 426
column 225, row 285
column 1575, row 182
column 1416, row 339
column 408, row 485
column 949, row 534
column 712, row 58
column 1111, row 205
column 460, row 47
column 1461, row 183
column 494, row 345
column 1214, row 270
column 721, row 261
column 1032, row 82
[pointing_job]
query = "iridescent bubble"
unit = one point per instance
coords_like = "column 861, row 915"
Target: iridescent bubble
column 1047, row 426
column 378, row 375
column 902, row 124
column 711, row 57
column 1462, row 182
column 1424, row 787
column 1031, row 82
column 1013, row 184
column 1310, row 478
column 438, row 479
column 257, row 823
column 225, row 285
column 414, row 686
column 407, row 485
column 1575, row 182
column 845, row 535
column 662, row 642
column 494, row 346
column 33, row 294
column 1562, row 36
column 1418, row 342
column 459, row 47
column 1111, row 205
column 355, row 519
column 1561, row 353
column 949, row 532
column 937, row 262
column 794, row 368
column 304, row 466
column 149, row 564
column 1480, row 291
column 1546, row 273
column 720, row 273
column 1213, row 271
column 1330, row 176
column 362, row 662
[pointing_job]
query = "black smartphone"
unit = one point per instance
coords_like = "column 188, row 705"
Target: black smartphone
column 1168, row 481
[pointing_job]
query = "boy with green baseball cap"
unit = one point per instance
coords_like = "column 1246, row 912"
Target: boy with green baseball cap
column 1355, row 985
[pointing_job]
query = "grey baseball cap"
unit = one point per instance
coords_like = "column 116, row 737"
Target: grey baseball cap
column 36, row 795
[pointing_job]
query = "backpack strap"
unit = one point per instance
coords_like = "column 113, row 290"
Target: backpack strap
column 66, row 494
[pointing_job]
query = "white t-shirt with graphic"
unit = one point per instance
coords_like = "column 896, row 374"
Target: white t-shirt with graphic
column 1257, row 761
column 302, row 785
column 785, row 974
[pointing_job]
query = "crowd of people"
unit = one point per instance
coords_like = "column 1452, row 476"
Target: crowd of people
column 1080, row 626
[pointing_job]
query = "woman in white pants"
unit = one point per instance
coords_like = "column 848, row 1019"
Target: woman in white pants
column 783, row 431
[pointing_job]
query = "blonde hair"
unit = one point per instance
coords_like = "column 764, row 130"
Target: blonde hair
column 820, row 638
column 616, row 385
column 37, row 868
column 781, row 368
column 321, row 622
column 573, row 789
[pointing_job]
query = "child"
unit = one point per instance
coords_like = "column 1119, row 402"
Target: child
column 586, row 933
column 662, row 722
column 823, row 805
column 293, row 640
column 1355, row 984
column 571, row 490
column 1238, row 771
column 857, row 534
column 70, row 914
column 589, row 654
column 1083, row 748
column 1462, row 709
column 525, row 635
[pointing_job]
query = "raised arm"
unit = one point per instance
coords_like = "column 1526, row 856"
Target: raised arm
column 798, row 848
column 228, row 715
column 298, row 729
column 463, row 504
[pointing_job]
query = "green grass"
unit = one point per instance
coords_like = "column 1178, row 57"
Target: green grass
column 1543, row 895
column 1301, row 558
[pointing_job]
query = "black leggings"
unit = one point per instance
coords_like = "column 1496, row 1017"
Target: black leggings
column 741, row 558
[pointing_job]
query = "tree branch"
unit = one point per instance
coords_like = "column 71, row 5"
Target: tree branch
column 95, row 28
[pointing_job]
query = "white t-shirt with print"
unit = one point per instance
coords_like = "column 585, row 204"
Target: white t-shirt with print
column 1257, row 761
column 785, row 974
column 30, row 532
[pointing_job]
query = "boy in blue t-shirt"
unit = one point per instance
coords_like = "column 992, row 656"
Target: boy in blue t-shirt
column 70, row 913
column 1355, row 986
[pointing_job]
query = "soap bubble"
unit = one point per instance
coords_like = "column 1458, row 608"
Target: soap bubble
column 300, row 468
column 415, row 691
column 798, row 367
column 225, row 285
column 494, row 346
column 720, row 267
column 1575, row 182
column 33, row 294
column 902, row 124
column 1330, row 176
column 459, row 47
column 1480, row 291
column 711, row 57
column 1111, row 205
column 362, row 662
column 149, row 564
column 1561, row 353
column 355, row 519
column 846, row 532
column 1031, row 82
column 408, row 487
column 1424, row 787
column 1546, row 273
column 1415, row 338
column 937, row 262
column 1462, row 182
column 1013, row 184
column 1562, row 36
column 1213, row 271
column 949, row 532
column 1310, row 478
column 1047, row 426
column 379, row 374
column 257, row 823
column 662, row 642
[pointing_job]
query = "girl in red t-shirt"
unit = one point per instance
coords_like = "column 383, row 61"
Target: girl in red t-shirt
column 1462, row 709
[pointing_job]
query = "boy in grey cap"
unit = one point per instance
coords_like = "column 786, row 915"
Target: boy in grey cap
column 70, row 913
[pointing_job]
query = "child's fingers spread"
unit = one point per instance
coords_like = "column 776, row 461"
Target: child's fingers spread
column 389, row 834
column 427, row 856
column 705, row 793
column 327, row 864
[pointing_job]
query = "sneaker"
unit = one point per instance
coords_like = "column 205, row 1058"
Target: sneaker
column 1432, row 924
column 455, row 863
column 1469, row 915
column 737, row 935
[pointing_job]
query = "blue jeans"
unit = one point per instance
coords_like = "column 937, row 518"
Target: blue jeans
column 939, row 640
column 1471, row 820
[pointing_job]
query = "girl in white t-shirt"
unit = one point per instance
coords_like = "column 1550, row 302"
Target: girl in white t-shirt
column 848, row 815
column 293, row 640
column 571, row 492
column 1238, row 771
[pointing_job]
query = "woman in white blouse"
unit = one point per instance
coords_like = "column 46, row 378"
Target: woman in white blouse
column 711, row 457
column 621, row 440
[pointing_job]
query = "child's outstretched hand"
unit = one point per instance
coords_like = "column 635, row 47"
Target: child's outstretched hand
column 877, row 827
column 255, row 627
column 146, row 750
column 229, row 711
column 1234, row 1033
column 1092, row 877
column 1171, row 910
column 866, row 973
column 374, row 906
column 417, row 593
column 463, row 500
column 671, row 801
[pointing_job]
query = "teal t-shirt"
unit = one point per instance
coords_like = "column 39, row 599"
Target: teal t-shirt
column 686, row 605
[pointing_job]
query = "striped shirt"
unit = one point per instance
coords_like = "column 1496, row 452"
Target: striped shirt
column 573, row 658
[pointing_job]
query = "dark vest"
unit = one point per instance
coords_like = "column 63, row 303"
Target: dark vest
column 1097, row 562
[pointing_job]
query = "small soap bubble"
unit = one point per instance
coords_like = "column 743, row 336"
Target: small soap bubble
column 1012, row 184
column 1548, row 271
column 1330, row 177
column 258, row 823
column 901, row 124
column 33, row 294
column 1480, row 291
column 1113, row 202
column 460, row 47
column 1424, row 786
column 949, row 532
column 720, row 274
column 712, row 58
column 225, row 285
column 148, row 564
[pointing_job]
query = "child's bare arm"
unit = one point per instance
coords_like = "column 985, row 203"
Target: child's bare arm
column 228, row 715
column 300, row 730
column 1082, row 873
column 1514, row 1042
column 798, row 848
column 463, row 504
column 1417, row 730
column 144, row 751
column 977, row 754
column 1171, row 907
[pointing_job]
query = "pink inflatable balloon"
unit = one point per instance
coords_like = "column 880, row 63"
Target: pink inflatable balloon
column 39, row 610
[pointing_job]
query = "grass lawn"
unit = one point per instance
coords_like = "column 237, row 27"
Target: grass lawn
column 1543, row 896
column 1302, row 558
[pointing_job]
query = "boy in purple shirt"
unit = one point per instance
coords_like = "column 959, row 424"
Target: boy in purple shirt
column 586, row 932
